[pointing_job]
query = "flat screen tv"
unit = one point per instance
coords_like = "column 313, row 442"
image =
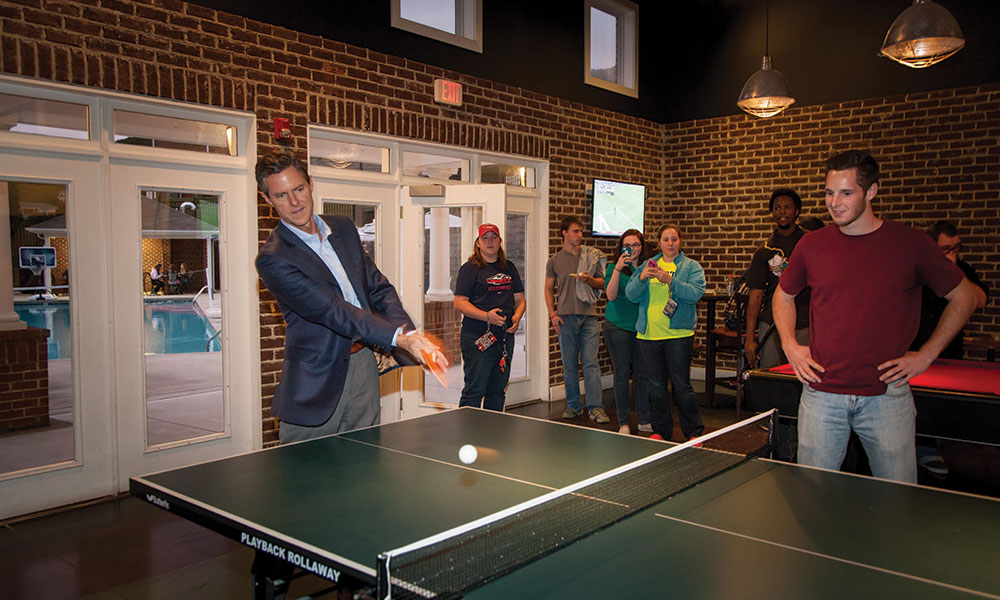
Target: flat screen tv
column 617, row 207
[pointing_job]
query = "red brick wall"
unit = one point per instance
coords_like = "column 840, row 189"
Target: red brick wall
column 24, row 379
column 938, row 150
column 939, row 155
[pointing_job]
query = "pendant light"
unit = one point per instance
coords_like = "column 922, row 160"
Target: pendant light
column 922, row 35
column 766, row 93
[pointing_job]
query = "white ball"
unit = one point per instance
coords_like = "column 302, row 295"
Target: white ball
column 467, row 454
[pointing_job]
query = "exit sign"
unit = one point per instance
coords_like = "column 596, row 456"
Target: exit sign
column 448, row 92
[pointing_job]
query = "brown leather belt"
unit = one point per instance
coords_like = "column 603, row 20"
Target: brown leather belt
column 356, row 347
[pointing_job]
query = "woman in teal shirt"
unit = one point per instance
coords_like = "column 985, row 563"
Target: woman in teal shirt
column 667, row 290
column 619, row 331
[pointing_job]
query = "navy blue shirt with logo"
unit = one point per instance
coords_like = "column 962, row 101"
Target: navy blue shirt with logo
column 487, row 288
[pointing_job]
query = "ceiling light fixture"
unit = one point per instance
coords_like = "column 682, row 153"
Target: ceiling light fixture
column 766, row 93
column 922, row 35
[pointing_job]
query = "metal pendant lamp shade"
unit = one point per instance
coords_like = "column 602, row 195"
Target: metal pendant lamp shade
column 922, row 35
column 766, row 93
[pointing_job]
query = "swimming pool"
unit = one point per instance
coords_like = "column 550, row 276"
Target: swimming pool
column 169, row 327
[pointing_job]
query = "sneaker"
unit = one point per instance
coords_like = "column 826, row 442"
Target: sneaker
column 656, row 436
column 934, row 464
column 645, row 427
column 571, row 413
column 625, row 429
column 598, row 415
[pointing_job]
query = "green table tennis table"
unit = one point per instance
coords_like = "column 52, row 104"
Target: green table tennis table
column 762, row 529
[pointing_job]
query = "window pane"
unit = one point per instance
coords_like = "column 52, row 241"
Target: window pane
column 345, row 155
column 603, row 45
column 36, row 429
column 156, row 131
column 439, row 14
column 363, row 217
column 449, row 235
column 182, row 314
column 516, row 247
column 512, row 175
column 432, row 166
column 44, row 117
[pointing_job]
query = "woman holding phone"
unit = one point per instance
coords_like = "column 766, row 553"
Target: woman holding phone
column 667, row 289
column 619, row 331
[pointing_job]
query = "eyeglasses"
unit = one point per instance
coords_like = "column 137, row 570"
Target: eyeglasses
column 633, row 245
column 949, row 249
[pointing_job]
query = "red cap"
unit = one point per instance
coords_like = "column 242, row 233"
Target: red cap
column 485, row 227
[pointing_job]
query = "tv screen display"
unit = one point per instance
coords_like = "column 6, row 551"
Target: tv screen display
column 618, row 207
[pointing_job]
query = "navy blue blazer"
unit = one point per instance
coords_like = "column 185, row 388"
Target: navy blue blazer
column 320, row 325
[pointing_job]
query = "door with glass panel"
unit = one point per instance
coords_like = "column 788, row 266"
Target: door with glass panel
column 56, row 411
column 439, row 228
column 183, row 384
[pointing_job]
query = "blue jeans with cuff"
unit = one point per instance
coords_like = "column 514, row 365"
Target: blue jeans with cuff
column 579, row 340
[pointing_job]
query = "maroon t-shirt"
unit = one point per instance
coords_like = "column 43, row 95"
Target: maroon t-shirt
column 865, row 305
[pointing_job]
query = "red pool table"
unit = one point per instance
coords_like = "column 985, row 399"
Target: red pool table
column 955, row 399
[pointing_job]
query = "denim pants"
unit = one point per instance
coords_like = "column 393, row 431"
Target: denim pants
column 671, row 360
column 886, row 425
column 485, row 383
column 579, row 339
column 623, row 347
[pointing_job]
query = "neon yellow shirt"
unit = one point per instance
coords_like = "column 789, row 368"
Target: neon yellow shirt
column 657, row 323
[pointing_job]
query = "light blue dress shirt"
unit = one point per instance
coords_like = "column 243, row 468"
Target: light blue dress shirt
column 318, row 243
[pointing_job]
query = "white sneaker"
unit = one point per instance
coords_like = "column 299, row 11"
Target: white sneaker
column 625, row 429
column 645, row 427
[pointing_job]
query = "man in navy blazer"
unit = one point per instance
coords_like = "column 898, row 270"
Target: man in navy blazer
column 336, row 305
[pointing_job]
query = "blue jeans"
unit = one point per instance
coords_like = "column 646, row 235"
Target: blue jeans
column 886, row 425
column 623, row 347
column 484, row 382
column 579, row 339
column 671, row 360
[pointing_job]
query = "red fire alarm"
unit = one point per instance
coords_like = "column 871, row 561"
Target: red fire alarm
column 282, row 128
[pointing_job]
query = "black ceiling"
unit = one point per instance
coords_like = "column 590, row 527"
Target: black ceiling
column 694, row 56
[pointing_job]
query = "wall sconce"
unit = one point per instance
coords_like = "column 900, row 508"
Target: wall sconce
column 922, row 35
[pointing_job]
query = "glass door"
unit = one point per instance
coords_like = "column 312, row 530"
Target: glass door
column 184, row 373
column 438, row 232
column 53, row 339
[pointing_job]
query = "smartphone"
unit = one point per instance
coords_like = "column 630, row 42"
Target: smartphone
column 627, row 251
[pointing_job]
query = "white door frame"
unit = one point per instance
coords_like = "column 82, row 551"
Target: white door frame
column 90, row 473
column 127, row 179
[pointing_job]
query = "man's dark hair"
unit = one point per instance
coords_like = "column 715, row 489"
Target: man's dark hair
column 867, row 167
column 567, row 221
column 275, row 162
column 945, row 227
column 785, row 192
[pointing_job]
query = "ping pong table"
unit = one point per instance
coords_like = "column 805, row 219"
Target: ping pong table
column 761, row 529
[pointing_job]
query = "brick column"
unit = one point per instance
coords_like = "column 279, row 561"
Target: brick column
column 24, row 379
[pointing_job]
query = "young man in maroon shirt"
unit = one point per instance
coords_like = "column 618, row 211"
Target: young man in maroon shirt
column 866, row 275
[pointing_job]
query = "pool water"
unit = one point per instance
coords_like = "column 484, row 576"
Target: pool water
column 169, row 327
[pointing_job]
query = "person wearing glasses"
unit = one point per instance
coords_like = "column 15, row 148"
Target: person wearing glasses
column 620, row 316
column 932, row 306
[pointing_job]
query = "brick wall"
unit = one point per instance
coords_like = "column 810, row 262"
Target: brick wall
column 939, row 155
column 938, row 150
column 24, row 379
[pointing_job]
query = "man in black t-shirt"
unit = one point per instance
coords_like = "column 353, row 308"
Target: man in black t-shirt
column 762, row 345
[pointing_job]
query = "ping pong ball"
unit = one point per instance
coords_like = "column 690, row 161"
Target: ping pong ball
column 467, row 454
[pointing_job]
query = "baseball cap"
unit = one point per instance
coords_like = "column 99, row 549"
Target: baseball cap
column 485, row 227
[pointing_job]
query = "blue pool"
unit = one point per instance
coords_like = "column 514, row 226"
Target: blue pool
column 169, row 327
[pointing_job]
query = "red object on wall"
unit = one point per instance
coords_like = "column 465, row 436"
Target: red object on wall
column 282, row 128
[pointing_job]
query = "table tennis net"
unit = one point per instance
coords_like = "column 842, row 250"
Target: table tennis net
column 454, row 562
